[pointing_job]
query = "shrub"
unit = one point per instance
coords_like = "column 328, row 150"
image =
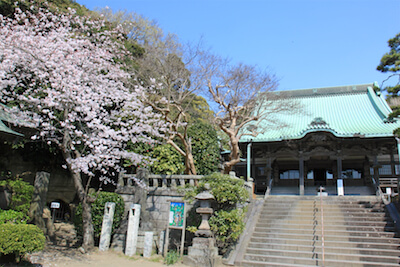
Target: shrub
column 227, row 222
column 12, row 216
column 172, row 257
column 228, row 226
column 21, row 194
column 98, row 212
column 19, row 239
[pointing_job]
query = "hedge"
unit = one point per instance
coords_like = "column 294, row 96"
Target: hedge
column 19, row 239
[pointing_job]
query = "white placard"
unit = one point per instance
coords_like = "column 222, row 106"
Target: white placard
column 389, row 191
column 55, row 205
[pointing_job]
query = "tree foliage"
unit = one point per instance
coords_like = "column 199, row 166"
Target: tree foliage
column 101, row 198
column 59, row 71
column 227, row 222
column 165, row 68
column 390, row 63
column 21, row 195
column 19, row 239
column 205, row 147
column 7, row 7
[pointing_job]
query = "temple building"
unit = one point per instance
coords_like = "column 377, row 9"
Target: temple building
column 336, row 135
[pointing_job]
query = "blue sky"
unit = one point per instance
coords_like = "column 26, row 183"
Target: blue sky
column 305, row 43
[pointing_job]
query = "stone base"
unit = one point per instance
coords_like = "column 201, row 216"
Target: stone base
column 203, row 253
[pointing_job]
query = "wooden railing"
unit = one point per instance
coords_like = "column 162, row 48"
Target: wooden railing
column 388, row 182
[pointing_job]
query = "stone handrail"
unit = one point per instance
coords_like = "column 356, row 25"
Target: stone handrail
column 160, row 181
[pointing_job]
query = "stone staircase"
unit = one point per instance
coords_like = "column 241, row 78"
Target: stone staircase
column 357, row 231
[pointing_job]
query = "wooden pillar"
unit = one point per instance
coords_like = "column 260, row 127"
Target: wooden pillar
column 301, row 173
column 376, row 170
column 269, row 173
column 339, row 166
column 392, row 164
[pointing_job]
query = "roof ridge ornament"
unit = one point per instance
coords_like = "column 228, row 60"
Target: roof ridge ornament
column 318, row 121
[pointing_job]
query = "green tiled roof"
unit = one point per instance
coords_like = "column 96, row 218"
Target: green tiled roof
column 5, row 129
column 345, row 111
column 5, row 117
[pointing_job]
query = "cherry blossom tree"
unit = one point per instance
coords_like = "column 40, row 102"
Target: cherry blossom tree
column 60, row 72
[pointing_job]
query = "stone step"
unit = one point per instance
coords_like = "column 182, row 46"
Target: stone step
column 263, row 253
column 301, row 208
column 255, row 260
column 327, row 237
column 317, row 202
column 393, row 251
column 328, row 201
column 318, row 231
column 312, row 205
column 247, row 263
column 357, row 232
column 328, row 243
column 328, row 224
column 327, row 216
column 305, row 227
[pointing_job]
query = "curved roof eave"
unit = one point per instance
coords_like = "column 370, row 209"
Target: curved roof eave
column 5, row 129
column 303, row 134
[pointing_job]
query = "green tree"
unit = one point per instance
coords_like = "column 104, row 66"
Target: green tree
column 390, row 63
column 230, row 195
column 173, row 92
column 206, row 148
column 166, row 160
column 21, row 194
column 7, row 7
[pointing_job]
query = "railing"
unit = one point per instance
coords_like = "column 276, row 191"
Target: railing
column 160, row 181
column 322, row 227
column 382, row 181
column 388, row 182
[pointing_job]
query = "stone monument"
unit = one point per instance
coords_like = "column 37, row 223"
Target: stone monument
column 148, row 244
column 106, row 227
column 133, row 230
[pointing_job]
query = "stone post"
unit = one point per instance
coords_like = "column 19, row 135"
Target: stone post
column 203, row 252
column 133, row 230
column 141, row 198
column 106, row 226
column 148, row 244
column 41, row 185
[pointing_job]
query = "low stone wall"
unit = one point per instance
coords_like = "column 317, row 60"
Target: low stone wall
column 161, row 190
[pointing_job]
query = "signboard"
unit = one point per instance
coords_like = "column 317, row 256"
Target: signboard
column 176, row 214
column 176, row 220
column 55, row 205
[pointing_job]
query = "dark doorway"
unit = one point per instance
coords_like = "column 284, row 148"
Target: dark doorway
column 319, row 177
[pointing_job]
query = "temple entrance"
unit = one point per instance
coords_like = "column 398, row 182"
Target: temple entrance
column 320, row 177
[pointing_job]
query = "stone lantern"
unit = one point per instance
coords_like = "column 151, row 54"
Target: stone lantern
column 203, row 252
column 205, row 211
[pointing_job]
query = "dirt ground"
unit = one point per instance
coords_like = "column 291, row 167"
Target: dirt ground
column 95, row 258
column 65, row 252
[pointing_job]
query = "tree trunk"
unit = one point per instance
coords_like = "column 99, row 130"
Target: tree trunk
column 190, row 168
column 87, row 224
column 189, row 160
column 189, row 164
column 234, row 157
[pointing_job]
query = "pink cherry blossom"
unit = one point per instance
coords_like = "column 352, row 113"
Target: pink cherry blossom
column 59, row 72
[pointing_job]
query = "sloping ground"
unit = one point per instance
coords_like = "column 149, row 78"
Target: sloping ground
column 353, row 231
